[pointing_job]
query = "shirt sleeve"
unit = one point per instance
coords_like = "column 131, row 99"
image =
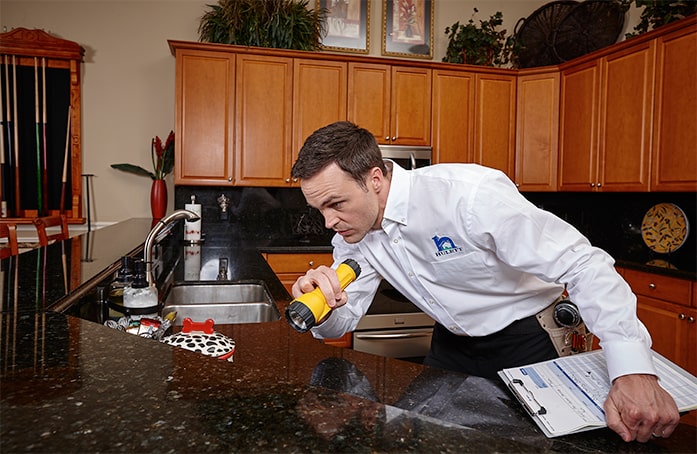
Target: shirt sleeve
column 535, row 241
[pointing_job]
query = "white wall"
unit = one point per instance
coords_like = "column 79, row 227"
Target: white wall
column 128, row 75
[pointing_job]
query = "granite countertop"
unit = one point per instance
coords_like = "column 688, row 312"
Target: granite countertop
column 72, row 385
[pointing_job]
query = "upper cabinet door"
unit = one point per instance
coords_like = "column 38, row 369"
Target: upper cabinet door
column 319, row 97
column 263, row 113
column 411, row 106
column 369, row 98
column 494, row 122
column 205, row 98
column 626, row 111
column 537, row 132
column 578, row 147
column 675, row 113
column 394, row 103
column 452, row 116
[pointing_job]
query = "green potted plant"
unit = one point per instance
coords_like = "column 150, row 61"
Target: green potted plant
column 481, row 44
column 659, row 12
column 280, row 24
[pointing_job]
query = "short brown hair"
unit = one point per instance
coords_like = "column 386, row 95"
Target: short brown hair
column 352, row 148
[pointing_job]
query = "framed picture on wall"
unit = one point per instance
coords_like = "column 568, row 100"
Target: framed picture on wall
column 347, row 26
column 407, row 28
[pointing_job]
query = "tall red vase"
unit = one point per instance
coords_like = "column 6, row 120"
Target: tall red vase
column 158, row 199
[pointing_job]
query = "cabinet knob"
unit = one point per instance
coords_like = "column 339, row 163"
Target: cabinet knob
column 229, row 179
column 682, row 316
column 394, row 138
column 652, row 286
column 592, row 185
column 295, row 180
column 311, row 263
column 600, row 184
column 690, row 319
column 387, row 138
column 287, row 180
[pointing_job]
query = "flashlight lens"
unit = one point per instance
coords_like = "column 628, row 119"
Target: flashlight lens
column 300, row 317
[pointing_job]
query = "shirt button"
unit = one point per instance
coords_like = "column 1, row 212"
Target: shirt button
column 431, row 302
column 453, row 328
column 395, row 241
column 411, row 274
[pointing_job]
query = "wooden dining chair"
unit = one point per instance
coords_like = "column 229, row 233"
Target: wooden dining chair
column 44, row 223
column 11, row 247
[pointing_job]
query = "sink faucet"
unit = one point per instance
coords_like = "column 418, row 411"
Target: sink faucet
column 150, row 240
column 222, row 269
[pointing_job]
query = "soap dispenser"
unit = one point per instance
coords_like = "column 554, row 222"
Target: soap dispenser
column 140, row 295
column 124, row 277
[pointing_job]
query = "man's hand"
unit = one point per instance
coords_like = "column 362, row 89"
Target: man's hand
column 637, row 408
column 327, row 280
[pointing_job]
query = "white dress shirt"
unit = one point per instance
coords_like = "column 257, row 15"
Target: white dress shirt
column 468, row 249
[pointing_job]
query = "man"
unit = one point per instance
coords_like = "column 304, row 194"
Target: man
column 463, row 245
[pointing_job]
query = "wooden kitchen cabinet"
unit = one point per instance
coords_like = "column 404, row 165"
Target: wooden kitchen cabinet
column 263, row 119
column 290, row 266
column 494, row 122
column 393, row 102
column 674, row 152
column 606, row 118
column 537, row 131
column 319, row 94
column 667, row 307
column 452, row 116
column 205, row 102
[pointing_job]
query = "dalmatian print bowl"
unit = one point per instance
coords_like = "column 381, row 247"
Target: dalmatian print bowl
column 200, row 337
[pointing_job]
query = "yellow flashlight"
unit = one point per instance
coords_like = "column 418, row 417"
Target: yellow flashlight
column 306, row 310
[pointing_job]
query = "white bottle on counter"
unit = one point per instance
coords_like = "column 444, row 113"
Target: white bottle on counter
column 139, row 294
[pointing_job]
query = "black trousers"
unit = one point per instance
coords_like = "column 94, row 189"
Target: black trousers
column 520, row 343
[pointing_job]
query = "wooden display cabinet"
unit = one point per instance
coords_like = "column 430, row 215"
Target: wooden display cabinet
column 41, row 142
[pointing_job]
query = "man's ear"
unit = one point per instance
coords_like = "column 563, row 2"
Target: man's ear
column 376, row 179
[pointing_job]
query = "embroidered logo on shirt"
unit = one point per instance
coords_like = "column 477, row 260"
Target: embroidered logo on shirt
column 445, row 246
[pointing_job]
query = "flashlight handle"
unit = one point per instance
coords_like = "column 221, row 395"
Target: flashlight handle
column 346, row 275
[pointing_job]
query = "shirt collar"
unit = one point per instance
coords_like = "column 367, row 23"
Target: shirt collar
column 398, row 198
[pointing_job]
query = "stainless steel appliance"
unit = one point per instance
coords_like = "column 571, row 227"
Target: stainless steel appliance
column 408, row 157
column 393, row 327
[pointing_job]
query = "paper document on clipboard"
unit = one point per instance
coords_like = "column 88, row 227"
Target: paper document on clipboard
column 566, row 395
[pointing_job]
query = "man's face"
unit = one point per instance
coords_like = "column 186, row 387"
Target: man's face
column 348, row 209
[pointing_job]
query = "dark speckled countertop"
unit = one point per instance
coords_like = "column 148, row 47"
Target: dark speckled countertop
column 72, row 385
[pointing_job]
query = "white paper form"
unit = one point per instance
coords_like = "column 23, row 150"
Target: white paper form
column 566, row 395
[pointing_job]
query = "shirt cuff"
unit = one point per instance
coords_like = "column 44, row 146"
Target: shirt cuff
column 625, row 358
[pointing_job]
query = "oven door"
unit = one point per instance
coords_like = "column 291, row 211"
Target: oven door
column 393, row 327
column 394, row 343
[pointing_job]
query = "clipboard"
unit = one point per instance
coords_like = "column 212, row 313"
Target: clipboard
column 566, row 395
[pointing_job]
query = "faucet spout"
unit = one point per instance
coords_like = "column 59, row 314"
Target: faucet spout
column 150, row 240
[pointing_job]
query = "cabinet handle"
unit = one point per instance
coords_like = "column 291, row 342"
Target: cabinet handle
column 311, row 263
column 690, row 319
column 652, row 286
column 600, row 184
column 387, row 138
column 592, row 185
column 295, row 180
column 229, row 179
column 681, row 316
column 394, row 138
column 287, row 180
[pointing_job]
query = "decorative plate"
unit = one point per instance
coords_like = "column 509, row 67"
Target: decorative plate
column 664, row 228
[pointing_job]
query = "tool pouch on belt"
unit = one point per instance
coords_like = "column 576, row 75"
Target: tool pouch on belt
column 566, row 340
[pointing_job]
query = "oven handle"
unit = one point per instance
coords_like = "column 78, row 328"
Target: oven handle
column 393, row 335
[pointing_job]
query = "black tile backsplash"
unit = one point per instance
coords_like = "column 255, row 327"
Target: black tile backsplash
column 611, row 221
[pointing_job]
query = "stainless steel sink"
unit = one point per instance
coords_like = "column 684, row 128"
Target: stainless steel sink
column 225, row 302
